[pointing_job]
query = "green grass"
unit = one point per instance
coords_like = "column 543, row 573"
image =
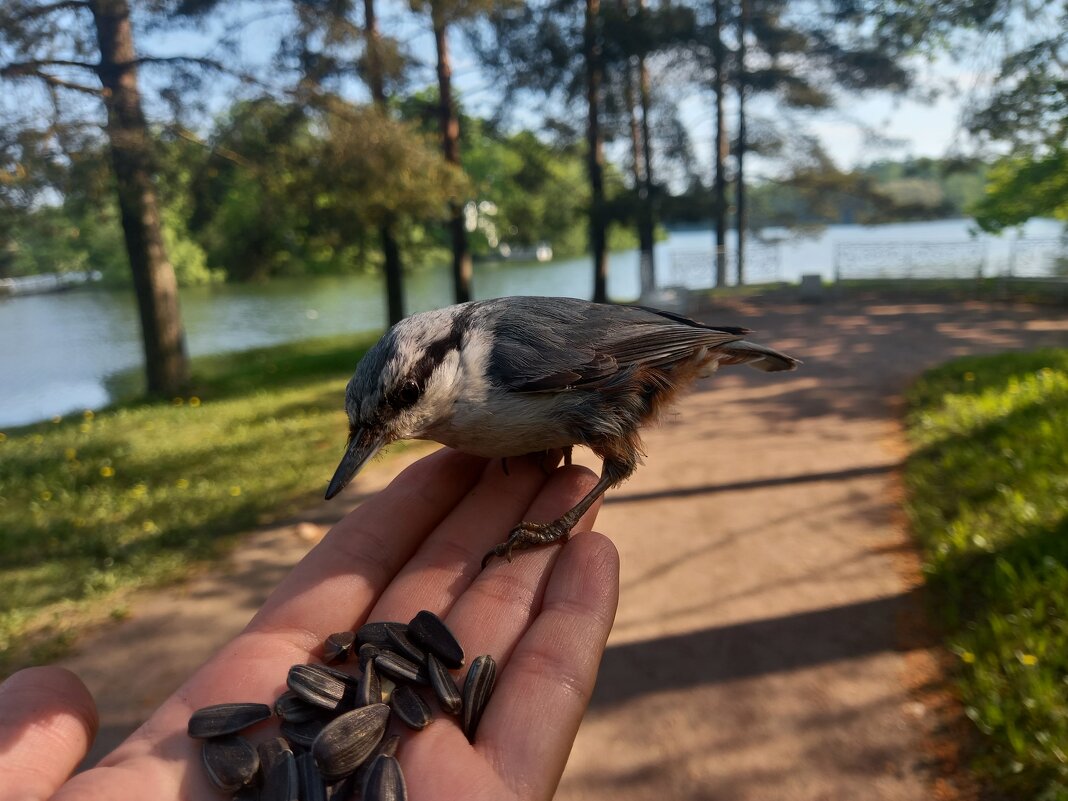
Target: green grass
column 988, row 498
column 96, row 504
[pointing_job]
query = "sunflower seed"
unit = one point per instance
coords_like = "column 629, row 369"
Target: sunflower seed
column 477, row 690
column 444, row 685
column 220, row 719
column 294, row 709
column 349, row 739
column 319, row 687
column 429, row 631
column 368, row 651
column 410, row 708
column 397, row 667
column 303, row 734
column 271, row 752
column 338, row 646
column 230, row 761
column 339, row 674
column 389, row 746
column 311, row 785
column 384, row 781
column 401, row 644
column 375, row 633
column 280, row 779
column 345, row 790
column 370, row 689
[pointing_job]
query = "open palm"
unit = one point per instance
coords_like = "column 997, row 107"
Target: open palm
column 416, row 545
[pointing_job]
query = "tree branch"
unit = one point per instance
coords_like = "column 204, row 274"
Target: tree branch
column 25, row 71
column 208, row 63
column 16, row 68
column 40, row 11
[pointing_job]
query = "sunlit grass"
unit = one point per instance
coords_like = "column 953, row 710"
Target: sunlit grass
column 95, row 504
column 988, row 497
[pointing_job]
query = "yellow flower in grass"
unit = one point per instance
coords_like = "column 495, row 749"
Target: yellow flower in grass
column 194, row 401
column 182, row 483
column 1027, row 660
column 88, row 414
column 177, row 401
column 967, row 657
column 46, row 495
column 235, row 491
column 107, row 471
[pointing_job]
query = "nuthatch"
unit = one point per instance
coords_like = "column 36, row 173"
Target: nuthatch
column 519, row 375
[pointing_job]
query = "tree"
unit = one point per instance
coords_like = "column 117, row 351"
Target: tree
column 375, row 57
column 41, row 42
column 804, row 53
column 442, row 14
column 1022, row 187
column 1026, row 109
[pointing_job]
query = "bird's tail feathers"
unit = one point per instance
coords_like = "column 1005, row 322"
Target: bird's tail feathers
column 757, row 356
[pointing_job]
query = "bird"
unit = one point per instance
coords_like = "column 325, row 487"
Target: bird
column 517, row 375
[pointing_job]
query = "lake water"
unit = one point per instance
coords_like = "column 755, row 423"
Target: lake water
column 58, row 349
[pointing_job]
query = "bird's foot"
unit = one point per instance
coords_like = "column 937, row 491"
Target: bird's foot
column 527, row 535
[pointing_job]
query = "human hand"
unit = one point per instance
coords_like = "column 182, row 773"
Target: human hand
column 415, row 545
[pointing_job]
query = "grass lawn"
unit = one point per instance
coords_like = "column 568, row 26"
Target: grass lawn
column 988, row 499
column 96, row 504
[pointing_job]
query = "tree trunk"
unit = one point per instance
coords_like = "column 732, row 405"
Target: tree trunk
column 595, row 153
column 450, row 135
column 392, row 267
column 646, row 232
column 739, row 189
column 720, row 156
column 166, row 362
column 639, row 128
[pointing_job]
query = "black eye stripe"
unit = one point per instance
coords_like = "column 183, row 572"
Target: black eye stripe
column 435, row 354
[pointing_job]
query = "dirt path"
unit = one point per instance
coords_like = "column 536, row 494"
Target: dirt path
column 758, row 651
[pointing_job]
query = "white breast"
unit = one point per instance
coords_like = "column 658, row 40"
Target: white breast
column 486, row 421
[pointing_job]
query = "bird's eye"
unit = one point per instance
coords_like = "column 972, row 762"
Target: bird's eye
column 406, row 395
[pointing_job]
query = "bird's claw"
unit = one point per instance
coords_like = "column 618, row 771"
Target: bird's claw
column 527, row 535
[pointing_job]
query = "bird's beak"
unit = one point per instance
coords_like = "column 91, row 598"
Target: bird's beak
column 363, row 444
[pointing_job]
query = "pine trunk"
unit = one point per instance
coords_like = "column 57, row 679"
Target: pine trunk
column 595, row 153
column 391, row 265
column 166, row 362
column 739, row 190
column 450, row 135
column 720, row 156
column 646, row 229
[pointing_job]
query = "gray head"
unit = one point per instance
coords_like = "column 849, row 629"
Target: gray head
column 401, row 386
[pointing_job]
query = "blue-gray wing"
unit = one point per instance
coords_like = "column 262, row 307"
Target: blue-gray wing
column 554, row 344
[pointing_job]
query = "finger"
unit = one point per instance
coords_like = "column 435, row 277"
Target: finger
column 332, row 588
column 490, row 618
column 336, row 584
column 451, row 557
column 495, row 611
column 542, row 693
column 48, row 720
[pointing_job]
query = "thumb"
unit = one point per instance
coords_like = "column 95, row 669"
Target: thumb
column 47, row 722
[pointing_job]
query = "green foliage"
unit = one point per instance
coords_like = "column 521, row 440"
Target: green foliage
column 537, row 192
column 1022, row 187
column 884, row 191
column 93, row 505
column 988, row 499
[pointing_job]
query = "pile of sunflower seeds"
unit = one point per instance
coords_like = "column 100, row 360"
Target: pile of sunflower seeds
column 333, row 743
